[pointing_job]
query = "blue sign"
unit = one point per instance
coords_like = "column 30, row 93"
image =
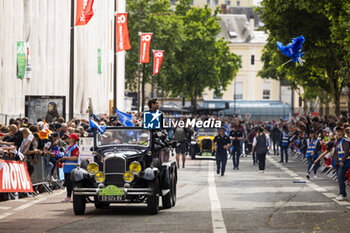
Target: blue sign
column 152, row 120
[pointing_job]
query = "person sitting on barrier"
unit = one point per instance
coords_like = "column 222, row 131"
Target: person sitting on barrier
column 70, row 160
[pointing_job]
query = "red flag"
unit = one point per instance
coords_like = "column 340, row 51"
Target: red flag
column 84, row 12
column 145, row 47
column 157, row 61
column 123, row 42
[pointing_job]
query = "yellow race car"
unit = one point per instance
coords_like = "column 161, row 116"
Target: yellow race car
column 204, row 143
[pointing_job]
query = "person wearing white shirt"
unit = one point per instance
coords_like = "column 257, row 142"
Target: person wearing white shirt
column 261, row 143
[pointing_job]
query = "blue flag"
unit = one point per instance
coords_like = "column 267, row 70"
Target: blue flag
column 125, row 119
column 293, row 50
column 93, row 125
column 227, row 129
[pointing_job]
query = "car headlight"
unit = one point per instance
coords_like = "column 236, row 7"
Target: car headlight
column 100, row 177
column 128, row 176
column 92, row 168
column 135, row 167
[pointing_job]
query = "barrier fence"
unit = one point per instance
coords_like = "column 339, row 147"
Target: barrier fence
column 324, row 168
column 40, row 180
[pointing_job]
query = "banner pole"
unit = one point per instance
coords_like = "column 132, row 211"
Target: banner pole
column 152, row 76
column 115, row 58
column 71, row 64
column 139, row 80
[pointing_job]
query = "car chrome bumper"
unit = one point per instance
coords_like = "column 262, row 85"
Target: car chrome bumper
column 127, row 191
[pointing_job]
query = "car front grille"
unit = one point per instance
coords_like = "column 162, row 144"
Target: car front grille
column 206, row 144
column 114, row 168
column 114, row 179
column 114, row 165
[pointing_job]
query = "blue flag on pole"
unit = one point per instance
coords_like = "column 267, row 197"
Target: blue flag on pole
column 93, row 125
column 124, row 118
column 227, row 129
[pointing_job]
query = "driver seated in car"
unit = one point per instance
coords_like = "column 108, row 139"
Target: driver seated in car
column 143, row 140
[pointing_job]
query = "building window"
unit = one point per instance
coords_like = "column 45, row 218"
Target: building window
column 266, row 90
column 208, row 2
column 252, row 59
column 238, row 90
column 216, row 2
column 266, row 94
column 228, row 3
column 192, row 3
column 240, row 65
column 238, row 3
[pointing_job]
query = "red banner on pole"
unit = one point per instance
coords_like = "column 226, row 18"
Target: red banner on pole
column 157, row 60
column 123, row 42
column 14, row 177
column 145, row 47
column 84, row 12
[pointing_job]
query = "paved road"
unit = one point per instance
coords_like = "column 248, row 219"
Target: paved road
column 241, row 201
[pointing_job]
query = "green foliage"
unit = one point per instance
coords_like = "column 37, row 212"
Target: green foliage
column 325, row 26
column 193, row 57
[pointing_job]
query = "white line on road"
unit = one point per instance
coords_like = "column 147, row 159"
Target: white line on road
column 24, row 206
column 309, row 184
column 4, row 207
column 216, row 214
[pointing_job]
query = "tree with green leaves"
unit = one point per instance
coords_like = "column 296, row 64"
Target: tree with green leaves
column 204, row 61
column 193, row 57
column 324, row 66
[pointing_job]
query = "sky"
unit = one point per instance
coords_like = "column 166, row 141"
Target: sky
column 256, row 2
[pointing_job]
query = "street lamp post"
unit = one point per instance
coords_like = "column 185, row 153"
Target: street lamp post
column 234, row 98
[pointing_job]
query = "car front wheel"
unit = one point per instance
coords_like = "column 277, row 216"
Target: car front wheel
column 153, row 200
column 79, row 204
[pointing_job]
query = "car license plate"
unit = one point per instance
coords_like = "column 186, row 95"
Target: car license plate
column 110, row 198
column 111, row 190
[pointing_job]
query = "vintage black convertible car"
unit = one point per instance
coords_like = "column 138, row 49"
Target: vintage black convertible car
column 131, row 165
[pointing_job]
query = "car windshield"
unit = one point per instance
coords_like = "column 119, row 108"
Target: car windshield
column 138, row 137
column 207, row 131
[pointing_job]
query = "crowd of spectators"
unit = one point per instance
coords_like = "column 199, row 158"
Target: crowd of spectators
column 23, row 140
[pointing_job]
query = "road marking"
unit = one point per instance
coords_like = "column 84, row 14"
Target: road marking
column 24, row 206
column 309, row 184
column 216, row 214
column 4, row 215
column 4, row 207
column 330, row 195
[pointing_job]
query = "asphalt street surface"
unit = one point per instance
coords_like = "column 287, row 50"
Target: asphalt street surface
column 241, row 201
